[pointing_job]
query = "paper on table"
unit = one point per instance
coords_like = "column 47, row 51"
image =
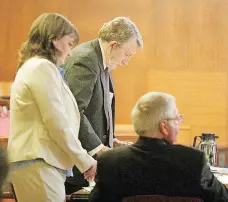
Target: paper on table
column 219, row 170
column 222, row 178
column 90, row 187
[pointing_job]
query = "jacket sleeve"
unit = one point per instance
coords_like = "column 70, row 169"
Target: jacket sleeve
column 82, row 79
column 45, row 84
column 212, row 189
column 106, row 184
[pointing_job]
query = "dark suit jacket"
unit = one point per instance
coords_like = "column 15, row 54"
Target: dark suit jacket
column 84, row 72
column 155, row 167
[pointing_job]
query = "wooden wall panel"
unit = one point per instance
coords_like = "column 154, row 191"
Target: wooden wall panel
column 125, row 132
column 179, row 36
column 201, row 97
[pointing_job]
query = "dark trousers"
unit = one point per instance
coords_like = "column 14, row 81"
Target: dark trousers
column 76, row 182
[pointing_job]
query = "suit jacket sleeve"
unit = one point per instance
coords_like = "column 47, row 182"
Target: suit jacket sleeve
column 106, row 184
column 82, row 79
column 45, row 85
column 212, row 189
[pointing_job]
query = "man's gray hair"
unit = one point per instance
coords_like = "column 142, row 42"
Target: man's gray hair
column 120, row 29
column 150, row 109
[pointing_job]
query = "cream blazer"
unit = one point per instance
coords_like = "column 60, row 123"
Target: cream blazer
column 44, row 118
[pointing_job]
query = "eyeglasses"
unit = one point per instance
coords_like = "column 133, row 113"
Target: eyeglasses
column 178, row 118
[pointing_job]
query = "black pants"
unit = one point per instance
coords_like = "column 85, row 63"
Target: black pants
column 76, row 182
column 71, row 188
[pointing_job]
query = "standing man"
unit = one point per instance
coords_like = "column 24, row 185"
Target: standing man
column 87, row 72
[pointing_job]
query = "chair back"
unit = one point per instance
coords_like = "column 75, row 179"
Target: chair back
column 8, row 192
column 159, row 198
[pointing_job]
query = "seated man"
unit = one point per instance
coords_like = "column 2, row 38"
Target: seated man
column 154, row 165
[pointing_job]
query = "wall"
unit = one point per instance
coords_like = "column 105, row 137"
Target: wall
column 185, row 53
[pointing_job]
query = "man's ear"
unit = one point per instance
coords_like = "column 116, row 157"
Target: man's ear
column 113, row 44
column 163, row 126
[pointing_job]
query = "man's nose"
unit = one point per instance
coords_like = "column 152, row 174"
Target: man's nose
column 69, row 54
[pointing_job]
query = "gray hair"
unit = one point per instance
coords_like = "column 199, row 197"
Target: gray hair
column 150, row 109
column 120, row 29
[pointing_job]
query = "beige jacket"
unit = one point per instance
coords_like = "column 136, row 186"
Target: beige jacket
column 44, row 118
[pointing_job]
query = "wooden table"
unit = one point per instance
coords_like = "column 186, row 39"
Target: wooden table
column 79, row 196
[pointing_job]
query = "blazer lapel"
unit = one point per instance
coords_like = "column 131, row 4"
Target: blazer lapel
column 105, row 94
column 97, row 48
column 70, row 93
column 111, row 84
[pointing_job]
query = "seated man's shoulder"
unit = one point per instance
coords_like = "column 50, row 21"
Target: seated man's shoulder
column 187, row 151
column 116, row 153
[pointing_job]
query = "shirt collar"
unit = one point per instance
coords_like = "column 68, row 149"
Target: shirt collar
column 62, row 71
column 103, row 55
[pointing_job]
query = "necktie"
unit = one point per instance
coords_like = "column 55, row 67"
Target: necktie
column 109, row 107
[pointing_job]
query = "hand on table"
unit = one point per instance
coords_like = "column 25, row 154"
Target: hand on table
column 104, row 149
column 118, row 143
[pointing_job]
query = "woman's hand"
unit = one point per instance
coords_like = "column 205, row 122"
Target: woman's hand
column 89, row 175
